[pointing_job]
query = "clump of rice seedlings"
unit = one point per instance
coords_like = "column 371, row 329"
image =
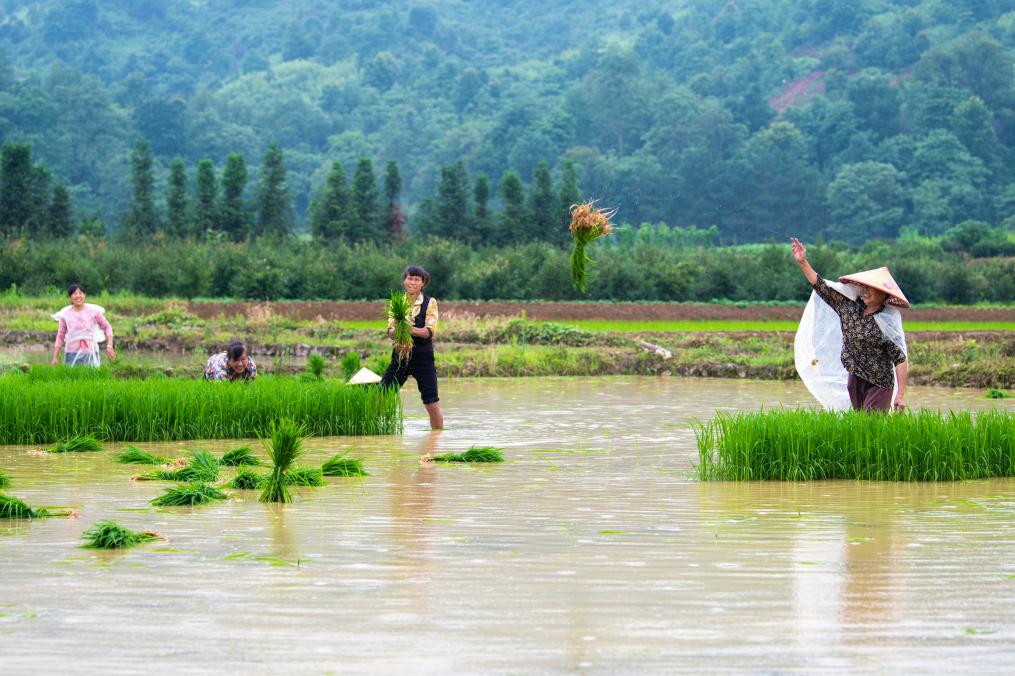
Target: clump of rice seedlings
column 247, row 480
column 15, row 508
column 79, row 443
column 399, row 309
column 284, row 444
column 305, row 476
column 111, row 535
column 5, row 480
column 351, row 363
column 474, row 454
column 202, row 467
column 994, row 393
column 238, row 457
column 806, row 445
column 587, row 225
column 188, row 495
column 315, row 367
column 132, row 455
column 339, row 465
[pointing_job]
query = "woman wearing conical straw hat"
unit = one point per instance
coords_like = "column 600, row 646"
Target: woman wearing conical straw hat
column 850, row 347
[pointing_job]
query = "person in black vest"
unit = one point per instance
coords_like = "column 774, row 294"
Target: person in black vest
column 420, row 365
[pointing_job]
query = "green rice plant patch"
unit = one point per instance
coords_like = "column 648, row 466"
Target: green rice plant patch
column 806, row 445
column 189, row 495
column 351, row 363
column 994, row 393
column 5, row 480
column 247, row 480
column 202, row 467
column 340, row 465
column 474, row 454
column 15, row 508
column 315, row 367
column 132, row 455
column 305, row 476
column 239, row 457
column 79, row 443
column 283, row 442
column 111, row 535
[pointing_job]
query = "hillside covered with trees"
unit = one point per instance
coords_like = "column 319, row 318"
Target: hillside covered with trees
column 366, row 120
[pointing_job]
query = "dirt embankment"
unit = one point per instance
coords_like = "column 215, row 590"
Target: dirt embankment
column 367, row 310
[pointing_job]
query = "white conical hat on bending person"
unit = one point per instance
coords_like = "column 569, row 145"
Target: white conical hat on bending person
column 881, row 280
column 364, row 377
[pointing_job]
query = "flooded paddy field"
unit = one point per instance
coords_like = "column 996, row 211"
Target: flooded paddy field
column 592, row 549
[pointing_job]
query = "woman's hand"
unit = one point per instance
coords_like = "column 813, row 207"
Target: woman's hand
column 111, row 353
column 900, row 403
column 799, row 253
column 53, row 362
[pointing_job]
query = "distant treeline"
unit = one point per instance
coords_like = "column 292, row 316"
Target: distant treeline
column 653, row 263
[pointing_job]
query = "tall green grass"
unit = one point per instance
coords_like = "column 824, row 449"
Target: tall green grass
column 805, row 445
column 42, row 411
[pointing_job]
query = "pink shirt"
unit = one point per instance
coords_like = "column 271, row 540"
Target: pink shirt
column 79, row 327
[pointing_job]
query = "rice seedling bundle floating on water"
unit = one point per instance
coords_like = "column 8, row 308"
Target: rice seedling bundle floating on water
column 15, row 508
column 247, row 480
column 163, row 410
column 340, row 465
column 804, row 445
column 399, row 309
column 111, row 535
column 132, row 455
column 239, row 456
column 587, row 225
column 284, row 444
column 304, row 476
column 189, row 495
column 474, row 454
column 79, row 443
column 202, row 467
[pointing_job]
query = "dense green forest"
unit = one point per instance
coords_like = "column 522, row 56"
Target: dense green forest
column 841, row 119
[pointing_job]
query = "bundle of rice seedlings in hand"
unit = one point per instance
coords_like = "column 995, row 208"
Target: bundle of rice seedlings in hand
column 188, row 495
column 339, row 465
column 77, row 444
column 247, row 480
column 132, row 455
column 587, row 225
column 399, row 309
column 239, row 456
column 474, row 454
column 111, row 535
column 304, row 476
column 351, row 363
column 15, row 508
column 284, row 444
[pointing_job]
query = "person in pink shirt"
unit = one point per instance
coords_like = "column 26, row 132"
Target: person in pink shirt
column 82, row 326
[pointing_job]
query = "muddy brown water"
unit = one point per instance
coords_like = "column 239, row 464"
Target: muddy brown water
column 591, row 550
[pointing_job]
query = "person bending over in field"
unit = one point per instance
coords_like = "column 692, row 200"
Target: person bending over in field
column 233, row 364
column 82, row 327
column 420, row 365
column 851, row 342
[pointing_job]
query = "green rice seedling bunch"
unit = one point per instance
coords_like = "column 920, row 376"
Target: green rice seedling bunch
column 174, row 409
column 806, row 445
column 399, row 309
column 242, row 456
column 340, row 465
column 202, row 467
column 189, row 495
column 247, row 480
column 132, row 455
column 315, row 367
column 587, row 225
column 15, row 508
column 351, row 364
column 284, row 444
column 305, row 476
column 5, row 480
column 79, row 443
column 474, row 454
column 111, row 535
column 994, row 393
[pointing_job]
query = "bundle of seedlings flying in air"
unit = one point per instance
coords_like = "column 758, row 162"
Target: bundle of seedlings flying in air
column 315, row 368
column 305, row 476
column 284, row 444
column 247, row 480
column 398, row 310
column 80, row 443
column 587, row 225
column 202, row 467
column 15, row 508
column 474, row 454
column 132, row 455
column 239, row 457
column 111, row 535
column 340, row 465
column 188, row 495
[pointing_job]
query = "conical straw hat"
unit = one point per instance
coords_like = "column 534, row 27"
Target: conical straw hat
column 364, row 377
column 881, row 280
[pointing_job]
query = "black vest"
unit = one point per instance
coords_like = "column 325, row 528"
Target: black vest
column 422, row 344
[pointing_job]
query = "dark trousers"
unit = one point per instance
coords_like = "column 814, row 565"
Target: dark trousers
column 420, row 366
column 866, row 397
